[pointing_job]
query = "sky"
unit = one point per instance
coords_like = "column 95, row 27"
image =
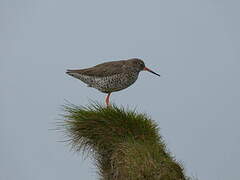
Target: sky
column 194, row 45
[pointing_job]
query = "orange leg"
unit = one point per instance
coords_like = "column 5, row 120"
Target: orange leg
column 107, row 99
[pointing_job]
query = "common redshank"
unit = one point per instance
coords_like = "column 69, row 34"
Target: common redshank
column 111, row 76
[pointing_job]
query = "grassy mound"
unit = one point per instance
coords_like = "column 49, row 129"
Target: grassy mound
column 126, row 145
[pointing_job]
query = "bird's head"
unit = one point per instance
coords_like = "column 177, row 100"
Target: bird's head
column 140, row 65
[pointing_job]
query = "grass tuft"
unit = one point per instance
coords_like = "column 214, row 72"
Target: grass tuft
column 126, row 145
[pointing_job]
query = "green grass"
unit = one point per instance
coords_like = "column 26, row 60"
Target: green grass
column 125, row 145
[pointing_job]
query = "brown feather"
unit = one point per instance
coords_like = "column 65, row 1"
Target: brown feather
column 104, row 69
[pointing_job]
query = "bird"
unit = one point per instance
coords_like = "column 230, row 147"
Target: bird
column 111, row 76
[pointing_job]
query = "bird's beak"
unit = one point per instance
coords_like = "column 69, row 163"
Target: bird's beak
column 146, row 69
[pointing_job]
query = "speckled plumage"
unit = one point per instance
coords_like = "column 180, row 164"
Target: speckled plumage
column 108, row 84
column 111, row 76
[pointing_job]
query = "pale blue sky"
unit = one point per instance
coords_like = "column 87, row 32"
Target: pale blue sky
column 194, row 45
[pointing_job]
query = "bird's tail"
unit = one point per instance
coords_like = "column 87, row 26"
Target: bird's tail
column 70, row 72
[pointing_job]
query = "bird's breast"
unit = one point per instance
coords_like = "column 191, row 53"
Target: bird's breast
column 115, row 82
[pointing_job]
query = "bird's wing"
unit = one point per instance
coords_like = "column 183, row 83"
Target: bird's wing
column 104, row 69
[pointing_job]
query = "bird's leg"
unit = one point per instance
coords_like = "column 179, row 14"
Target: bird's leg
column 107, row 99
